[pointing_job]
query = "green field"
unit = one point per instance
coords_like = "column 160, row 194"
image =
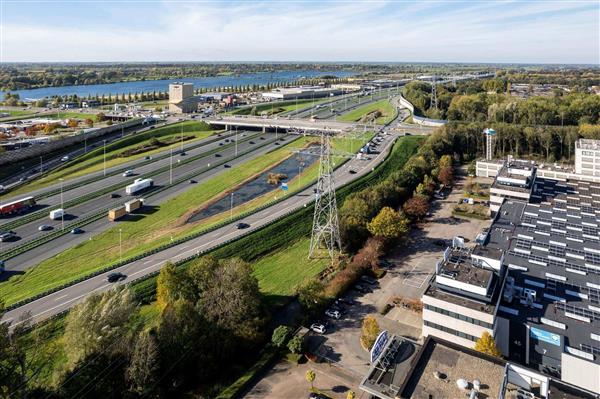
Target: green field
column 274, row 108
column 387, row 110
column 155, row 228
column 93, row 160
column 17, row 112
column 69, row 115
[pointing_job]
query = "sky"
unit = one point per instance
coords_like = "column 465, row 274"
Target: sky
column 542, row 31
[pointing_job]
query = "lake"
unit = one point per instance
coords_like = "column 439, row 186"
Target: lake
column 259, row 78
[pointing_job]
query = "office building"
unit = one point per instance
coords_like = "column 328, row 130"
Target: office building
column 587, row 157
column 182, row 99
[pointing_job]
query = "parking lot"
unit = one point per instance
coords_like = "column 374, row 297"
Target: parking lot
column 412, row 265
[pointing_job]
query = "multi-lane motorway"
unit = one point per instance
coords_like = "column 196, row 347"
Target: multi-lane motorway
column 64, row 299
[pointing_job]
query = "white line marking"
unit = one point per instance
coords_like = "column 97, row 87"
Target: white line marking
column 60, row 297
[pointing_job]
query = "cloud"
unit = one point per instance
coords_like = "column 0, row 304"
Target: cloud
column 502, row 31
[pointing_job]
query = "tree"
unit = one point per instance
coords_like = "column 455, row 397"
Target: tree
column 369, row 332
column 417, row 206
column 144, row 363
column 280, row 336
column 296, row 345
column 446, row 175
column 232, row 300
column 388, row 224
column 170, row 285
column 73, row 123
column 99, row 324
column 99, row 375
column 100, row 116
column 310, row 377
column 311, row 296
column 89, row 122
column 486, row 344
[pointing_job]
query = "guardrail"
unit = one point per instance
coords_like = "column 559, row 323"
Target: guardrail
column 11, row 253
column 419, row 119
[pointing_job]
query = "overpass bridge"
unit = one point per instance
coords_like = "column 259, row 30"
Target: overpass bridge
column 307, row 125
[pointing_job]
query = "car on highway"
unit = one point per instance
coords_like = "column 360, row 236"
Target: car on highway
column 227, row 166
column 22, row 179
column 183, row 153
column 318, row 328
column 127, row 173
column 276, row 143
column 334, row 314
column 220, row 143
column 147, row 157
column 8, row 236
column 252, row 142
column 114, row 195
column 45, row 227
column 65, row 158
column 262, row 138
column 218, row 155
column 76, row 230
column 241, row 226
column 1, row 188
column 192, row 181
column 114, row 277
column 352, row 171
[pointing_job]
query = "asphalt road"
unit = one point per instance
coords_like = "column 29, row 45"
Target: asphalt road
column 64, row 299
column 30, row 231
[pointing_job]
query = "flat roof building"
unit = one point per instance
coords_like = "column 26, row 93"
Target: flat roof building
column 182, row 99
column 292, row 93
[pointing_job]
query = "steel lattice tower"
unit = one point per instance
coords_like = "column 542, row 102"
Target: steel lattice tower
column 326, row 228
column 434, row 103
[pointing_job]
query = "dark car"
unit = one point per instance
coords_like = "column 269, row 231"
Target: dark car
column 152, row 127
column 183, row 153
column 276, row 143
column 352, row 171
column 114, row 277
column 147, row 157
column 252, row 142
column 114, row 195
column 218, row 155
column 8, row 236
column 45, row 227
column 76, row 230
column 241, row 226
column 220, row 143
column 227, row 166
column 361, row 288
column 192, row 181
column 314, row 395
column 262, row 138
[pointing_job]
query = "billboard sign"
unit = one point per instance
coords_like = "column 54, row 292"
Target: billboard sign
column 378, row 346
column 543, row 335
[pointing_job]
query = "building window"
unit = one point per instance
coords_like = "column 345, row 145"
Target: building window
column 459, row 316
column 450, row 331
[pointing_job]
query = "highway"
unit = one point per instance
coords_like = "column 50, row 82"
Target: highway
column 64, row 299
column 253, row 144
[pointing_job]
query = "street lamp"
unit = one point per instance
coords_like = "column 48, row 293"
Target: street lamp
column 120, row 246
column 62, row 216
column 236, row 141
column 171, row 168
column 41, row 166
column 104, row 157
column 231, row 207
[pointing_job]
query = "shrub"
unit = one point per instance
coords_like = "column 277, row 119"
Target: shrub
column 370, row 331
column 296, row 345
column 280, row 336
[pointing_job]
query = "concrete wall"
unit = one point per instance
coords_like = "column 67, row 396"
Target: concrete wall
column 580, row 372
column 52, row 145
column 419, row 120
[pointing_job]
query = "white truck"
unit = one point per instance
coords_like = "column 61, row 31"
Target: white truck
column 57, row 214
column 138, row 185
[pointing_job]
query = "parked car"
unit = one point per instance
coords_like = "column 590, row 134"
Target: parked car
column 334, row 314
column 114, row 277
column 76, row 230
column 361, row 288
column 318, row 328
column 241, row 226
column 345, row 301
column 45, row 227
column 315, row 395
column 368, row 280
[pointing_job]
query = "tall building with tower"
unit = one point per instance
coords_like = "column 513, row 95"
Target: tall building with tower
column 182, row 99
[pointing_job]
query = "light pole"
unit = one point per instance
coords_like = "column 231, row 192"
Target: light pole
column 104, row 157
column 41, row 166
column 171, row 168
column 236, row 141
column 231, row 207
column 62, row 216
column 120, row 246
column 182, row 137
column 85, row 144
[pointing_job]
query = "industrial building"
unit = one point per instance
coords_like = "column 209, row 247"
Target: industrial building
column 293, row 93
column 542, row 304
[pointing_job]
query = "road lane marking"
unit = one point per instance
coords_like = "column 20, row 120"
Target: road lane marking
column 61, row 297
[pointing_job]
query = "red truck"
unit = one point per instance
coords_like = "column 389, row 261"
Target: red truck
column 17, row 206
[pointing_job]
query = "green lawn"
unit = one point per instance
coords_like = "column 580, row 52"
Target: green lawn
column 157, row 228
column 17, row 112
column 93, row 160
column 387, row 110
column 68, row 115
column 279, row 273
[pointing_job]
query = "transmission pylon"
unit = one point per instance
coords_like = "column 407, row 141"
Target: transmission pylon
column 433, row 94
column 326, row 228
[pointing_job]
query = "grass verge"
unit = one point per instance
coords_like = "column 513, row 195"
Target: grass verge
column 386, row 111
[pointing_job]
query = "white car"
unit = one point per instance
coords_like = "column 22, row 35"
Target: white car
column 334, row 314
column 65, row 158
column 128, row 173
column 318, row 328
